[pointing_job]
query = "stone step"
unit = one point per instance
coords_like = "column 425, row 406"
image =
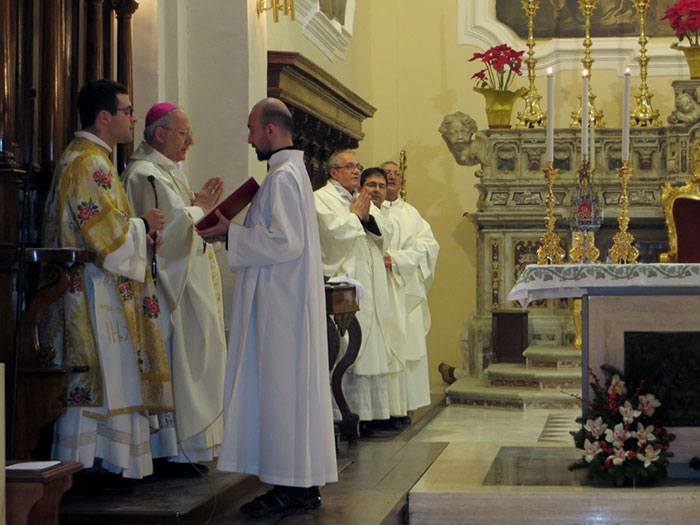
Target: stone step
column 518, row 375
column 552, row 357
column 478, row 392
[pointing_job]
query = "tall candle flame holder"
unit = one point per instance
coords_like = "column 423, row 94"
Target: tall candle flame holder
column 532, row 116
column 587, row 7
column 622, row 250
column 643, row 114
column 402, row 168
column 586, row 219
column 551, row 251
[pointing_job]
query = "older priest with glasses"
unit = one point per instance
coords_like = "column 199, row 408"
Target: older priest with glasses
column 189, row 289
column 353, row 243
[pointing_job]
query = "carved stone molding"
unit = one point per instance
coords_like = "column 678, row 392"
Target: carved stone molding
column 327, row 115
column 331, row 36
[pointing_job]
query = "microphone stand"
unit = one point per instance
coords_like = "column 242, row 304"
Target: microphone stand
column 154, row 264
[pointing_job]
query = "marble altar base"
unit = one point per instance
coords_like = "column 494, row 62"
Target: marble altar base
column 608, row 317
column 490, row 482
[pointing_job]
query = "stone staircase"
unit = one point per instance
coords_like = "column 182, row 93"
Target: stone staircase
column 547, row 379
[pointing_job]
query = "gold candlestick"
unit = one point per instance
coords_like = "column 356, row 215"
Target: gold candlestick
column 587, row 7
column 643, row 114
column 402, row 168
column 622, row 250
column 532, row 116
column 551, row 251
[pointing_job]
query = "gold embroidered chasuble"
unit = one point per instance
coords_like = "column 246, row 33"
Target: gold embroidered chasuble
column 88, row 209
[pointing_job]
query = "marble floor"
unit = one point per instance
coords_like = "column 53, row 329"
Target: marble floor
column 510, row 466
column 456, row 424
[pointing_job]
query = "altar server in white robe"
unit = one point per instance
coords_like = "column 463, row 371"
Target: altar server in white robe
column 415, row 277
column 353, row 243
column 189, row 288
column 107, row 325
column 277, row 405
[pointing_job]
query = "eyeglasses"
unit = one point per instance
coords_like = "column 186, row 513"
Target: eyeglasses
column 350, row 167
column 187, row 133
column 393, row 172
column 129, row 110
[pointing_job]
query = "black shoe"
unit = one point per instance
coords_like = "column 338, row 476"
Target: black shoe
column 169, row 469
column 403, row 421
column 279, row 501
column 447, row 372
column 314, row 498
column 366, row 429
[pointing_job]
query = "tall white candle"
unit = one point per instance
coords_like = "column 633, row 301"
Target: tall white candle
column 550, row 115
column 592, row 141
column 584, row 116
column 626, row 118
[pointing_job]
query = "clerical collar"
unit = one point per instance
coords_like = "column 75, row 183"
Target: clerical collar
column 82, row 134
column 282, row 149
column 388, row 204
column 345, row 194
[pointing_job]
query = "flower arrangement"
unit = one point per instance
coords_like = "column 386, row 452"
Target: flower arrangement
column 684, row 17
column 502, row 64
column 621, row 436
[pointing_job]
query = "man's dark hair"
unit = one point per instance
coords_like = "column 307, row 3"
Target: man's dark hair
column 98, row 95
column 272, row 114
column 369, row 172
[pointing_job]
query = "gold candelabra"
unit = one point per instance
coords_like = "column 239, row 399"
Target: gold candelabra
column 402, row 168
column 532, row 116
column 587, row 7
column 622, row 250
column 643, row 114
column 551, row 251
column 286, row 7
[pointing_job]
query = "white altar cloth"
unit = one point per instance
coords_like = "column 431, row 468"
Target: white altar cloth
column 546, row 281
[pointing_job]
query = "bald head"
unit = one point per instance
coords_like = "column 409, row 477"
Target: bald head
column 269, row 127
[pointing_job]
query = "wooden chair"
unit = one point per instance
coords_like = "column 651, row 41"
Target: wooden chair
column 686, row 217
column 669, row 195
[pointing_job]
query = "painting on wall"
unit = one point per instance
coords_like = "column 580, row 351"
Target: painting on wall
column 563, row 18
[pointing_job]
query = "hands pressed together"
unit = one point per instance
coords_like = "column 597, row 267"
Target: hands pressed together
column 360, row 205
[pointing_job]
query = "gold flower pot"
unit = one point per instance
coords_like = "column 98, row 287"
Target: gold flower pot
column 499, row 105
column 692, row 56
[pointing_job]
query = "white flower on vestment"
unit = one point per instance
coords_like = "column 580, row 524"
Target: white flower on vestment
column 628, row 413
column 591, row 449
column 617, row 386
column 648, row 404
column 617, row 436
column 596, row 426
column 650, row 454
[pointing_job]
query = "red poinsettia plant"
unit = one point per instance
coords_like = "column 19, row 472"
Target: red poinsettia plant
column 502, row 64
column 684, row 17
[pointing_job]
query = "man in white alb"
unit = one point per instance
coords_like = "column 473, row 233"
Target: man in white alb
column 416, row 278
column 278, row 421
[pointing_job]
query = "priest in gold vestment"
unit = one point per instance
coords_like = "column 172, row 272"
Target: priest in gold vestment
column 108, row 321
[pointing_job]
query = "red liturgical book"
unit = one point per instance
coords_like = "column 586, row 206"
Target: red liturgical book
column 231, row 205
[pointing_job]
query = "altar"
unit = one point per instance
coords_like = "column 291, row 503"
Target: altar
column 639, row 318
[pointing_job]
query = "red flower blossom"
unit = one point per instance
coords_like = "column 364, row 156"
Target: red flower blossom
column 684, row 18
column 502, row 63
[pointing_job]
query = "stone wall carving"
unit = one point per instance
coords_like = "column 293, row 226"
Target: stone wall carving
column 510, row 209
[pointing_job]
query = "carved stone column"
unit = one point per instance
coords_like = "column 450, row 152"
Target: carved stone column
column 124, row 10
column 93, row 40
